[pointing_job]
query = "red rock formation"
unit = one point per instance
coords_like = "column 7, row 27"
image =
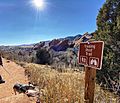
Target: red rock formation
column 54, row 42
column 61, row 46
column 39, row 45
column 63, row 43
column 81, row 39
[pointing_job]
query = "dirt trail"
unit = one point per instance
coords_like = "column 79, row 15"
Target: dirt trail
column 16, row 75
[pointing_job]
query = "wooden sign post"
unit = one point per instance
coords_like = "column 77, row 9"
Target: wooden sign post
column 90, row 75
column 90, row 55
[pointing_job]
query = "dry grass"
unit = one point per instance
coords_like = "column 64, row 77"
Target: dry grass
column 65, row 87
column 57, row 87
column 103, row 96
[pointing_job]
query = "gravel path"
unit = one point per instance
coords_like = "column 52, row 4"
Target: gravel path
column 16, row 76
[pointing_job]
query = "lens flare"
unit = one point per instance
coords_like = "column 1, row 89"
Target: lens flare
column 39, row 4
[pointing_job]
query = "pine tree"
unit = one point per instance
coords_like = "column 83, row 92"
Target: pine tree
column 108, row 30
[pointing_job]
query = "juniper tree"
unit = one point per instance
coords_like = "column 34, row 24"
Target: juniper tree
column 108, row 30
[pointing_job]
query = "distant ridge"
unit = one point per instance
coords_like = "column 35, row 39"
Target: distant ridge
column 60, row 44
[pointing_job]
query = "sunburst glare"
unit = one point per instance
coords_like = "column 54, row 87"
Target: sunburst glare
column 38, row 4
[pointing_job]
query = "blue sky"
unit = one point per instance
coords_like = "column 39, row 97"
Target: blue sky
column 21, row 23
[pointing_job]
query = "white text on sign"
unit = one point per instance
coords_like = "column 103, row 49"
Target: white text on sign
column 89, row 49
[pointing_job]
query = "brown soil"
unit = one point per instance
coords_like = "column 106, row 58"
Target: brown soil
column 16, row 76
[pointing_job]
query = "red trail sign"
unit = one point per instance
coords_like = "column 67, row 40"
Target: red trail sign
column 91, row 54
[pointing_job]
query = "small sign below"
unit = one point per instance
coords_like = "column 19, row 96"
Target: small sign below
column 91, row 54
column 83, row 60
column 94, row 62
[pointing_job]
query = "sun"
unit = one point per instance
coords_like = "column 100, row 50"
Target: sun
column 39, row 4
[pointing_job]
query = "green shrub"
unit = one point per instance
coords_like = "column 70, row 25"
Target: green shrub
column 43, row 56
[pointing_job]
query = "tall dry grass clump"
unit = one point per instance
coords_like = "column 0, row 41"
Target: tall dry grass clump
column 58, row 87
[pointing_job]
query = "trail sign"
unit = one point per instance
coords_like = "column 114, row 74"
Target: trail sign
column 91, row 54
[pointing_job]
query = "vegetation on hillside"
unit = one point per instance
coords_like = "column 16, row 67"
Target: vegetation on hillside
column 43, row 56
column 18, row 53
column 108, row 30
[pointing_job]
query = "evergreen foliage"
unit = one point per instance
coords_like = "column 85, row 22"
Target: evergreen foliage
column 108, row 30
column 43, row 56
